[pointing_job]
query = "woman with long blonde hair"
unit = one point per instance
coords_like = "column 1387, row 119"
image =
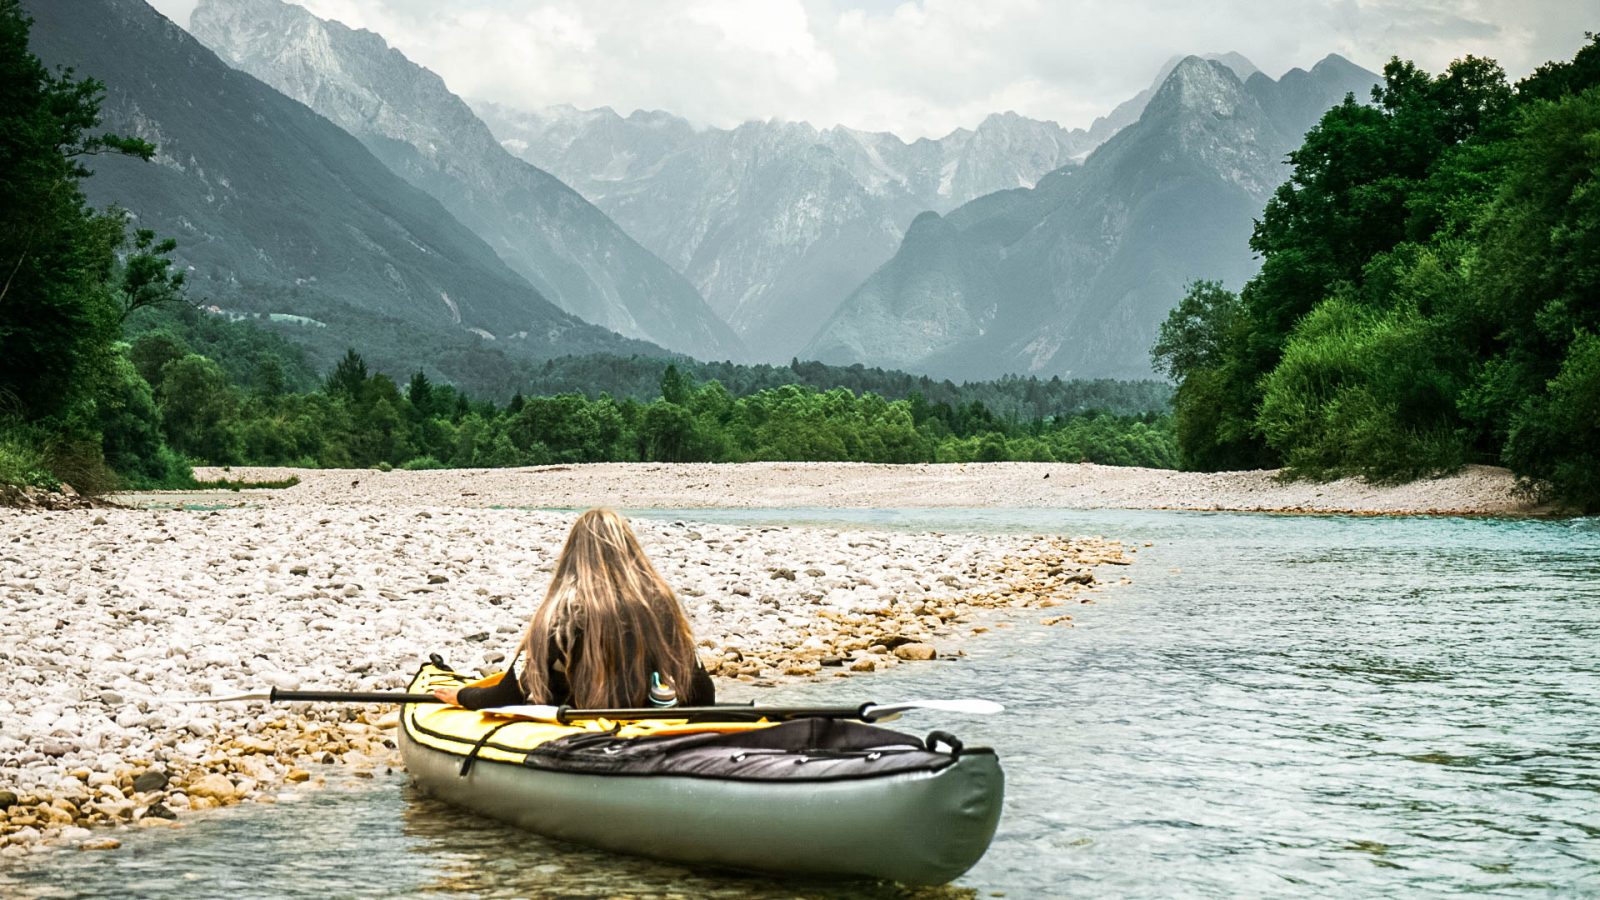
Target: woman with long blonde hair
column 609, row 634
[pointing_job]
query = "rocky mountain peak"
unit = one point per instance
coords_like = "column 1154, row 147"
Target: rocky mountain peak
column 1336, row 63
column 1074, row 275
column 1203, row 109
column 1199, row 84
column 774, row 221
column 408, row 118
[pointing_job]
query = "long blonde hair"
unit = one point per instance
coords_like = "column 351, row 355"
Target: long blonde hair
column 610, row 618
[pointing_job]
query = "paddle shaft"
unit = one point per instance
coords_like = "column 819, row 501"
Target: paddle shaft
column 352, row 697
column 719, row 713
column 566, row 714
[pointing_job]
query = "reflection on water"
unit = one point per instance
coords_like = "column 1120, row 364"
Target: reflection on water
column 1276, row 705
column 382, row 838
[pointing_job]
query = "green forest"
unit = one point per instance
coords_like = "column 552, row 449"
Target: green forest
column 1429, row 294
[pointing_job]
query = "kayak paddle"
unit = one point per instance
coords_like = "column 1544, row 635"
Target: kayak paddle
column 866, row 712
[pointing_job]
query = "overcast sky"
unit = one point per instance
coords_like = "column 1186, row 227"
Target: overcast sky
column 915, row 68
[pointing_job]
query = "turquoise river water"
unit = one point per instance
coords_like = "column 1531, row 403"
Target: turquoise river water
column 1277, row 705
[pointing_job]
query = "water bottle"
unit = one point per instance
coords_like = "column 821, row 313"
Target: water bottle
column 661, row 695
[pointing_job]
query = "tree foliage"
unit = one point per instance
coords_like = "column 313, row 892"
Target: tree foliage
column 1430, row 283
column 69, row 276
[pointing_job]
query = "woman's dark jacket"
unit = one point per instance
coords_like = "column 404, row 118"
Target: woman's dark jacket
column 508, row 692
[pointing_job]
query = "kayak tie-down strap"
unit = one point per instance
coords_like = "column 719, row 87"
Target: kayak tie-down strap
column 472, row 755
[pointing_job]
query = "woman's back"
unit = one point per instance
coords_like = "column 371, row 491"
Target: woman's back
column 608, row 627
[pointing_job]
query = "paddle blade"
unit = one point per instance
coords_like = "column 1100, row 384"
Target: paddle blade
column 885, row 712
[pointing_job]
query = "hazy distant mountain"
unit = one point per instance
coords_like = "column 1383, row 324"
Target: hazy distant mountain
column 1074, row 276
column 407, row 117
column 1128, row 111
column 277, row 210
column 775, row 222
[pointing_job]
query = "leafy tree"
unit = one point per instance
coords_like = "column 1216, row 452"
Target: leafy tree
column 130, row 425
column 1555, row 440
column 349, row 378
column 1558, row 79
column 667, row 433
column 151, row 351
column 1363, row 390
column 1194, row 334
column 198, row 410
column 270, row 380
column 58, row 319
column 1353, row 194
column 147, row 277
column 419, row 393
column 1539, row 278
column 675, row 388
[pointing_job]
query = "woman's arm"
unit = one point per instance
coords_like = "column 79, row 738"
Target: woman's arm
column 507, row 692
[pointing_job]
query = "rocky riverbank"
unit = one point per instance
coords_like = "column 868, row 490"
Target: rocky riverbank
column 111, row 613
column 1474, row 490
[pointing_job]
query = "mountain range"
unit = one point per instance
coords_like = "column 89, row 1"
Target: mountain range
column 776, row 222
column 278, row 211
column 1073, row 276
column 406, row 116
column 352, row 199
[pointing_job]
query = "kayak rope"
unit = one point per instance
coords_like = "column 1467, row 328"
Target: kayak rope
column 472, row 755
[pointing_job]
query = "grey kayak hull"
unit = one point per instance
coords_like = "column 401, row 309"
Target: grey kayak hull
column 912, row 827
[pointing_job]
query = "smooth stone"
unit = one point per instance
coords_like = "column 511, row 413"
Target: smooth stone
column 916, row 651
column 152, row 780
column 214, row 787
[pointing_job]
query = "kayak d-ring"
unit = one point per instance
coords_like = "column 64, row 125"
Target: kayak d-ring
column 935, row 738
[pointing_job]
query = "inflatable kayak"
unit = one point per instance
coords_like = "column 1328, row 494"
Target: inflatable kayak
column 812, row 796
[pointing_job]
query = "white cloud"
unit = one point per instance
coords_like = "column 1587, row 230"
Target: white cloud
column 915, row 68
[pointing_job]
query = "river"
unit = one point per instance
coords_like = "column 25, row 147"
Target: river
column 1277, row 705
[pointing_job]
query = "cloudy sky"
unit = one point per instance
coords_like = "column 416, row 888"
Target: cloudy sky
column 915, row 67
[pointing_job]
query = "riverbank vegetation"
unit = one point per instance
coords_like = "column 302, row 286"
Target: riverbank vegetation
column 361, row 418
column 1429, row 294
